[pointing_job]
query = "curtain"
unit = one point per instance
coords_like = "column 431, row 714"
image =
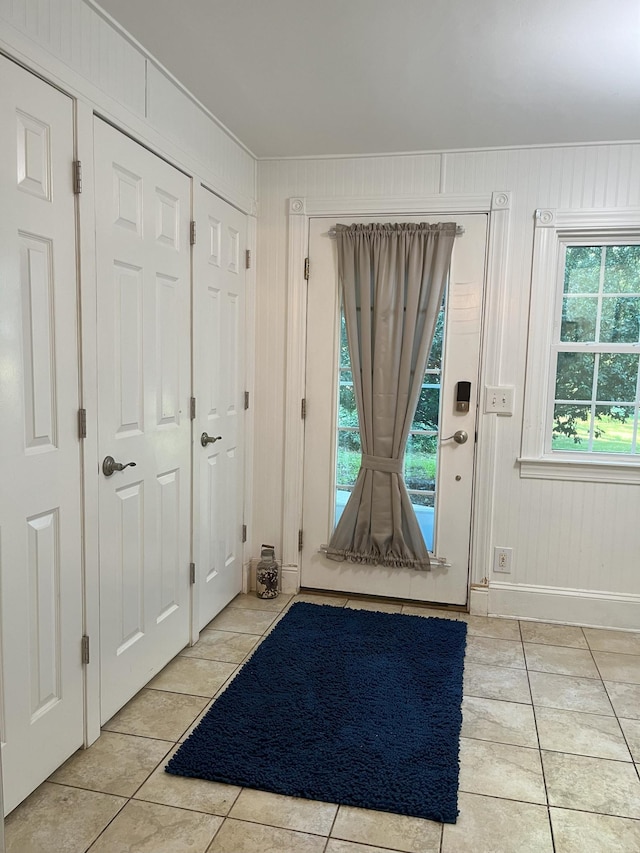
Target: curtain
column 392, row 279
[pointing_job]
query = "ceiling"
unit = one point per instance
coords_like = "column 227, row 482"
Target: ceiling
column 326, row 77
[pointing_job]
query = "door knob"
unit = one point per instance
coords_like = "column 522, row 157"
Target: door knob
column 209, row 439
column 109, row 466
column 460, row 436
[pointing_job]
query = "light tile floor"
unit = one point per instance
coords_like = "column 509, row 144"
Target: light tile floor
column 550, row 735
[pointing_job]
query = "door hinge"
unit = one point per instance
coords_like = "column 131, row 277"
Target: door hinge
column 192, row 233
column 192, row 572
column 85, row 649
column 300, row 540
column 306, row 269
column 82, row 423
column 192, row 408
column 303, row 408
column 246, row 400
column 247, row 259
column 244, row 532
column 77, row 177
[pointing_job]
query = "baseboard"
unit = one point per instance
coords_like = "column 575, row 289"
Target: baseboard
column 479, row 600
column 246, row 577
column 619, row 611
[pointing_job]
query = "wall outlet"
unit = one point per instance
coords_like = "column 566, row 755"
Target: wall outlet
column 502, row 559
column 498, row 399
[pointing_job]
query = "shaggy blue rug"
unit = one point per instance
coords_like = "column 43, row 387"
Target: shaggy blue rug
column 347, row 706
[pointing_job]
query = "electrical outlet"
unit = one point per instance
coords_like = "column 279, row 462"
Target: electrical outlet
column 502, row 560
column 499, row 399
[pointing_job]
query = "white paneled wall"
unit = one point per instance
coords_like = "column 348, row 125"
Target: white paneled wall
column 75, row 34
column 579, row 536
column 80, row 49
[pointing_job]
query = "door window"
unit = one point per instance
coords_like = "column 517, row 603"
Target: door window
column 421, row 457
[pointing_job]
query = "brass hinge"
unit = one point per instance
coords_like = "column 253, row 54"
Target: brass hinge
column 306, row 269
column 85, row 649
column 77, row 177
column 192, row 572
column 82, row 423
column 246, row 400
column 300, row 540
column 192, row 233
column 247, row 259
column 303, row 408
column 244, row 532
column 192, row 408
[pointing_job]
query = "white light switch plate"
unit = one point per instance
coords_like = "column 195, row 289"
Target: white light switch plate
column 498, row 399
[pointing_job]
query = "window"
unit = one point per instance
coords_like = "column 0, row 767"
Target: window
column 583, row 374
column 421, row 456
column 597, row 333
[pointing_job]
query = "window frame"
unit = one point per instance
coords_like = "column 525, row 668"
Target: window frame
column 554, row 231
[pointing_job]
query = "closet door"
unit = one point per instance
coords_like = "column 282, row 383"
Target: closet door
column 218, row 376
column 144, row 348
column 41, row 698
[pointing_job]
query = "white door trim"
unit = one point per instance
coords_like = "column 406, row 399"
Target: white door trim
column 498, row 205
column 249, row 333
column 89, row 397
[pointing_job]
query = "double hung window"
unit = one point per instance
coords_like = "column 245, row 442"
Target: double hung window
column 582, row 402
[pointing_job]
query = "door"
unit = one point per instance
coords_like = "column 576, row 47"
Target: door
column 218, row 374
column 438, row 470
column 40, row 509
column 143, row 346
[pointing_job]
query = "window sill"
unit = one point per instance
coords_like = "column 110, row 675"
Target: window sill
column 580, row 470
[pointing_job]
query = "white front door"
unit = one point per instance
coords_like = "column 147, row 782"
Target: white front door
column 218, row 376
column 143, row 345
column 41, row 690
column 438, row 470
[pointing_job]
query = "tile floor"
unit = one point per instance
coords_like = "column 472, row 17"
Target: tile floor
column 549, row 761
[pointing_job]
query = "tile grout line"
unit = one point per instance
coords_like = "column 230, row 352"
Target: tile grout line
column 333, row 823
column 544, row 776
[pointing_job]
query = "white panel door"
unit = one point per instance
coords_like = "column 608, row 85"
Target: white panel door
column 40, row 511
column 144, row 345
column 218, row 372
column 438, row 470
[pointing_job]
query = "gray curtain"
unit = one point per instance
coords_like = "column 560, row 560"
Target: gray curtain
column 392, row 279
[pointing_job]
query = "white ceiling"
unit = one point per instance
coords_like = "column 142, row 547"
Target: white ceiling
column 318, row 77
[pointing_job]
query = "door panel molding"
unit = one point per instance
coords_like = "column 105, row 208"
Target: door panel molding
column 498, row 205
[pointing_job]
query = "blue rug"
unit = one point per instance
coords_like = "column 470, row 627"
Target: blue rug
column 347, row 706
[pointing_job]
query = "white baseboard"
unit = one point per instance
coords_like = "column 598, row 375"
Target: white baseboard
column 246, row 577
column 289, row 580
column 479, row 600
column 614, row 610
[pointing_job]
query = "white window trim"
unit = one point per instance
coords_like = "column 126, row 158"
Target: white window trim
column 553, row 228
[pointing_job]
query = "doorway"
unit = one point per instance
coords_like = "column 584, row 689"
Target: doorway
column 439, row 462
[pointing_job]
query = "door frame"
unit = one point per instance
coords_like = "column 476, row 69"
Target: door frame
column 497, row 205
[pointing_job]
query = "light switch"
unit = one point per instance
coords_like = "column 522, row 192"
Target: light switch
column 498, row 399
